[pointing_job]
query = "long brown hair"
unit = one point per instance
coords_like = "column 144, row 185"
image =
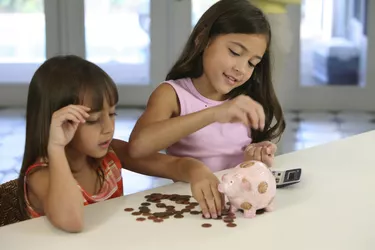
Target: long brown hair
column 235, row 16
column 58, row 82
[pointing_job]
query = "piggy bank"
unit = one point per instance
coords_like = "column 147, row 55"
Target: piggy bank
column 249, row 186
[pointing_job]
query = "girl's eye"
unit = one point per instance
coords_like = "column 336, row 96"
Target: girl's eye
column 92, row 122
column 233, row 53
column 251, row 65
column 98, row 120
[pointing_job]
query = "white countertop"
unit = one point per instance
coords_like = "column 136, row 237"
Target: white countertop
column 332, row 208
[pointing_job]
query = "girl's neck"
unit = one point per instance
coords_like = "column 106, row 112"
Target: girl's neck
column 77, row 161
column 205, row 88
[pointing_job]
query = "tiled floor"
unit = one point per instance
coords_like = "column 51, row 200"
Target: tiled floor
column 303, row 130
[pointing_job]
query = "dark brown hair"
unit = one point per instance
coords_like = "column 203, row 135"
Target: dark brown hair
column 58, row 82
column 235, row 16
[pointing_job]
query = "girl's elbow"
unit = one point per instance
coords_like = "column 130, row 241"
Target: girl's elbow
column 136, row 149
column 71, row 223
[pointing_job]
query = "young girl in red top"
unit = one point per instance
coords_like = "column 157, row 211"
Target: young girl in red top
column 71, row 159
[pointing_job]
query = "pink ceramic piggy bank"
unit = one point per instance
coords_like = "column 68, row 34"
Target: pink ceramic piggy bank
column 249, row 186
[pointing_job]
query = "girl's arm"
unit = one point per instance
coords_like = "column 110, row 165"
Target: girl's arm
column 203, row 182
column 157, row 164
column 161, row 126
column 53, row 190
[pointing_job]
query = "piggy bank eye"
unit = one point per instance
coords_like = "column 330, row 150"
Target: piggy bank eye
column 231, row 182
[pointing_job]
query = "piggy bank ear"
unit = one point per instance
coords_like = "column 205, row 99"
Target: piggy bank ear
column 246, row 185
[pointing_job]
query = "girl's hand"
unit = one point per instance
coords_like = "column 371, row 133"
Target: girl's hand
column 241, row 109
column 263, row 151
column 204, row 187
column 64, row 124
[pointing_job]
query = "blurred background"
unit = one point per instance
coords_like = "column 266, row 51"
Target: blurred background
column 327, row 90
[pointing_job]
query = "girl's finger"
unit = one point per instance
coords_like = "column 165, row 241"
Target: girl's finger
column 217, row 197
column 250, row 151
column 202, row 203
column 258, row 153
column 81, row 109
column 210, row 200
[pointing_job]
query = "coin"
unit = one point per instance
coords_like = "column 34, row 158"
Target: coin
column 178, row 216
column 229, row 220
column 129, row 209
column 160, row 205
column 195, row 212
column 231, row 225
column 206, row 225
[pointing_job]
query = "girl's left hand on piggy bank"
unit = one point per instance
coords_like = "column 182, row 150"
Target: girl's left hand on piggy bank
column 262, row 151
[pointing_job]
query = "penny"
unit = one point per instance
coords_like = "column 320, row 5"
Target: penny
column 185, row 210
column 160, row 214
column 170, row 213
column 178, row 216
column 160, row 205
column 146, row 214
column 141, row 219
column 194, row 204
column 157, row 196
column 225, row 212
column 232, row 215
column 230, row 220
column 206, row 225
column 147, row 196
column 129, row 209
column 186, row 202
column 195, row 212
column 144, row 209
column 190, row 207
column 260, row 211
column 231, row 225
column 145, row 204
column 136, row 213
column 158, row 220
column 170, row 207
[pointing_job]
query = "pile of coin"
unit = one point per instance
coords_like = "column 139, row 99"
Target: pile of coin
column 170, row 211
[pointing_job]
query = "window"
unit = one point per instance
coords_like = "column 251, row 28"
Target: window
column 198, row 9
column 23, row 39
column 118, row 38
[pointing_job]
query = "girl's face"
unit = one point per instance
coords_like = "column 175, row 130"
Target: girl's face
column 94, row 137
column 229, row 60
